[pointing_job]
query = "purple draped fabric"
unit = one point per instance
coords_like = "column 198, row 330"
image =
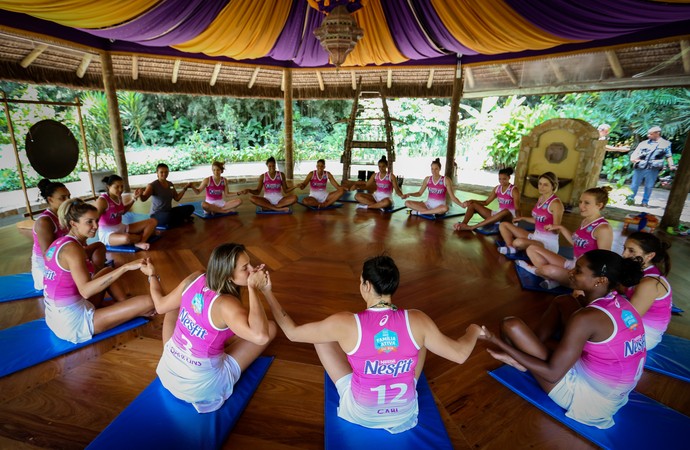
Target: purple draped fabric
column 203, row 15
column 435, row 28
column 590, row 20
column 310, row 53
column 406, row 30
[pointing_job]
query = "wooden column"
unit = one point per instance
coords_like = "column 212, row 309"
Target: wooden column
column 453, row 123
column 679, row 189
column 287, row 99
column 116, row 136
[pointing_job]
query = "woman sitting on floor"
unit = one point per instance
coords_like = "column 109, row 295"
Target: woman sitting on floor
column 601, row 354
column 111, row 208
column 73, row 290
column 548, row 211
column 47, row 228
column 375, row 357
column 381, row 186
column 216, row 187
column 652, row 297
column 205, row 312
column 318, row 182
column 273, row 183
column 594, row 233
column 508, row 205
column 162, row 193
column 439, row 187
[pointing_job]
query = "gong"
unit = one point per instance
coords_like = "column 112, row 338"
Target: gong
column 52, row 149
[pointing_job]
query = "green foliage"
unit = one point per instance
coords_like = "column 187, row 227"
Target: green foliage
column 617, row 169
column 134, row 113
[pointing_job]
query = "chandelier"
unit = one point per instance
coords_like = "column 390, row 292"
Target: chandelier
column 339, row 34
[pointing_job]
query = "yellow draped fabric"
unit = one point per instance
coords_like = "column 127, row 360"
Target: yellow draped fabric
column 245, row 29
column 81, row 13
column 492, row 27
column 377, row 45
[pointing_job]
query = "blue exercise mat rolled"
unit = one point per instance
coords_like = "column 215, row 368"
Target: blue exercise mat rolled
column 670, row 357
column 199, row 212
column 642, row 423
column 428, row 434
column 260, row 210
column 314, row 208
column 157, row 419
column 531, row 282
column 17, row 287
column 32, row 343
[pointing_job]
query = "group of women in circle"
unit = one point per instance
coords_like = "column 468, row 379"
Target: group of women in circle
column 587, row 352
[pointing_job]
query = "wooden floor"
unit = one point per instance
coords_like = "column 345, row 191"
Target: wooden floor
column 315, row 259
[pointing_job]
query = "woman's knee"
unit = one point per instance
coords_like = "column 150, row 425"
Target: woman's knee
column 511, row 325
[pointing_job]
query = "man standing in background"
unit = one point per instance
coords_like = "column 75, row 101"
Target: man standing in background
column 648, row 160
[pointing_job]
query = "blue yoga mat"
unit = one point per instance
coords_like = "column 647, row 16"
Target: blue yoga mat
column 519, row 255
column 447, row 215
column 131, row 217
column 32, row 343
column 348, row 197
column 642, row 423
column 670, row 357
column 392, row 210
column 260, row 210
column 676, row 310
column 428, row 434
column 332, row 206
column 130, row 248
column 531, row 282
column 156, row 419
column 199, row 212
column 17, row 287
column 488, row 230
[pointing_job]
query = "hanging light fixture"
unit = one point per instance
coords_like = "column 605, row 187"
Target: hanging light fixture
column 339, row 34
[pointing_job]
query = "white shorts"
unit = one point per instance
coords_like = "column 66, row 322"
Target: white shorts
column 378, row 196
column 431, row 204
column 584, row 403
column 569, row 264
column 319, row 196
column 105, row 232
column 73, row 323
column 204, row 382
column 274, row 199
column 550, row 240
column 38, row 265
column 352, row 412
column 652, row 336
column 219, row 203
column 495, row 213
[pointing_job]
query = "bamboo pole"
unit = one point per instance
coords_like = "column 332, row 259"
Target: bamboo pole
column 287, row 97
column 86, row 150
column 116, row 137
column 453, row 123
column 10, row 127
column 679, row 189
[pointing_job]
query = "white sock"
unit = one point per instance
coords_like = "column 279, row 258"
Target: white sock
column 527, row 266
column 359, row 205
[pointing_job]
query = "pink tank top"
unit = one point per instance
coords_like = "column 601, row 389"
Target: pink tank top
column 57, row 229
column 505, row 199
column 437, row 191
column 618, row 361
column 583, row 238
column 317, row 184
column 215, row 191
column 59, row 285
column 383, row 362
column 113, row 213
column 542, row 215
column 658, row 315
column 384, row 185
column 194, row 330
column 273, row 186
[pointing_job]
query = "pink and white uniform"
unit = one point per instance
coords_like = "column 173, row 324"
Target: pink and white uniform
column 658, row 316
column 384, row 187
column 194, row 366
column 597, row 386
column 318, row 186
column 214, row 192
column 437, row 192
column 68, row 314
column 505, row 199
column 543, row 217
column 37, row 261
column 583, row 237
column 111, row 220
column 381, row 391
column 273, row 188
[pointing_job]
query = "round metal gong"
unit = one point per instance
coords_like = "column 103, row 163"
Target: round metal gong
column 52, row 149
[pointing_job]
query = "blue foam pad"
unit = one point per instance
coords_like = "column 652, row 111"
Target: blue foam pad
column 676, row 310
column 488, row 230
column 392, row 210
column 531, row 282
column 17, row 287
column 313, row 208
column 519, row 255
column 260, row 210
column 670, row 357
column 641, row 423
column 131, row 217
column 348, row 197
column 447, row 215
column 32, row 343
column 428, row 434
column 199, row 212
column 156, row 419
column 129, row 248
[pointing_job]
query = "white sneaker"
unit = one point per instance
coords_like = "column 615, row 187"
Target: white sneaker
column 507, row 250
column 527, row 266
column 549, row 284
column 359, row 205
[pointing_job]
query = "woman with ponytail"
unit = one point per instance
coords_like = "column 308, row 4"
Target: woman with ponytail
column 440, row 188
column 380, row 185
column 508, row 204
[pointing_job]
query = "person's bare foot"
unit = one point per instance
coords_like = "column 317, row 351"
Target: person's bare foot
column 142, row 245
column 505, row 358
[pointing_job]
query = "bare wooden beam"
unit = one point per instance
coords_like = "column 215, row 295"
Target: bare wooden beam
column 354, row 80
column 557, row 71
column 31, row 57
column 135, row 67
column 252, row 80
column 176, row 70
column 214, row 75
column 287, row 124
column 84, row 65
column 509, row 71
column 319, row 78
column 282, row 82
column 430, row 81
column 679, row 189
column 469, row 75
column 615, row 63
column 389, row 82
column 685, row 50
column 453, row 123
